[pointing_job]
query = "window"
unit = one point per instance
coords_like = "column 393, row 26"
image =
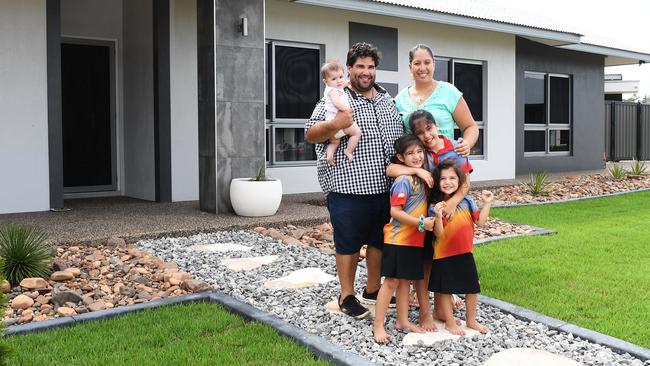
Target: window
column 547, row 114
column 292, row 90
column 468, row 77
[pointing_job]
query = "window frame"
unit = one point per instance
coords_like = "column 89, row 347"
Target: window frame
column 271, row 123
column 482, row 125
column 548, row 126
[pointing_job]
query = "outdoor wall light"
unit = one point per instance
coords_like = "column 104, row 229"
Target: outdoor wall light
column 243, row 27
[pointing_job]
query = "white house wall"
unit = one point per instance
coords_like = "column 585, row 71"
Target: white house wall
column 24, row 185
column 304, row 23
column 184, row 101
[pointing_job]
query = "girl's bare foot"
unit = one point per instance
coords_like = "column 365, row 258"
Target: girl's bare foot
column 438, row 315
column 380, row 335
column 408, row 326
column 426, row 323
column 413, row 299
column 477, row 326
column 454, row 328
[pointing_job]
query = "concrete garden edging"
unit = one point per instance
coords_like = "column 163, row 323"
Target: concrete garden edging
column 320, row 347
column 506, row 205
column 536, row 231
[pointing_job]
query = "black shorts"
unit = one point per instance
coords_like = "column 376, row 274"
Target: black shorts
column 455, row 275
column 358, row 220
column 402, row 262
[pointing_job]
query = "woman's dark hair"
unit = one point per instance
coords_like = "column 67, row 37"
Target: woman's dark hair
column 363, row 49
column 420, row 47
column 418, row 115
column 402, row 144
column 436, row 194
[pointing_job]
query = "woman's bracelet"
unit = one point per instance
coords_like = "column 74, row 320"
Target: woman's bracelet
column 421, row 224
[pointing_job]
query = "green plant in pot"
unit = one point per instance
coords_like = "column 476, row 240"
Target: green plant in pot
column 257, row 196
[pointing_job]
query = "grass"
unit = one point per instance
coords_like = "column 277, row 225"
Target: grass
column 189, row 334
column 595, row 272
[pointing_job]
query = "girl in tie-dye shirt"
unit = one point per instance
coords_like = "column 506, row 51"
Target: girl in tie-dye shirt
column 402, row 259
column 454, row 270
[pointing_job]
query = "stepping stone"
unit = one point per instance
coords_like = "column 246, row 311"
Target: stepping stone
column 221, row 247
column 430, row 338
column 245, row 264
column 529, row 357
column 306, row 277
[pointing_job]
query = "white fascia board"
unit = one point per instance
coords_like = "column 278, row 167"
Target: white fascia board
column 621, row 86
column 615, row 57
column 442, row 18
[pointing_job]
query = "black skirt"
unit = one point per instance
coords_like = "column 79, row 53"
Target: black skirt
column 455, row 275
column 402, row 262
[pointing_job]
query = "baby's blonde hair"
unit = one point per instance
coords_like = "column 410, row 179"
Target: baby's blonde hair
column 330, row 66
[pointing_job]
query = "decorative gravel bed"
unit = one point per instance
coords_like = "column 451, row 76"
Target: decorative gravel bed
column 570, row 187
column 305, row 307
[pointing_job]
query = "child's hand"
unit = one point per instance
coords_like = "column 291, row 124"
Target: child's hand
column 487, row 196
column 428, row 223
column 438, row 208
column 449, row 210
column 426, row 176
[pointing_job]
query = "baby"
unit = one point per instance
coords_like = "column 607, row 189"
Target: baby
column 336, row 99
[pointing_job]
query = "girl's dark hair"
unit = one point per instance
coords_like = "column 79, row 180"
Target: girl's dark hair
column 363, row 49
column 420, row 114
column 402, row 144
column 436, row 194
column 420, row 47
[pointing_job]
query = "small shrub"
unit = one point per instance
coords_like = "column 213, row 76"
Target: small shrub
column 538, row 185
column 617, row 171
column 638, row 167
column 5, row 350
column 25, row 251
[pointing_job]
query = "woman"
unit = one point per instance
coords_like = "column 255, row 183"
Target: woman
column 441, row 99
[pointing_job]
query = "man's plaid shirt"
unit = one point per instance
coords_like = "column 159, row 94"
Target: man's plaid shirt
column 380, row 126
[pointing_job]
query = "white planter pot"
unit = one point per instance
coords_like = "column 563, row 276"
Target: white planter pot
column 255, row 198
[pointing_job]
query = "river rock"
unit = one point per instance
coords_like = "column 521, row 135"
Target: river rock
column 66, row 311
column 62, row 297
column 61, row 276
column 34, row 283
column 22, row 302
column 195, row 286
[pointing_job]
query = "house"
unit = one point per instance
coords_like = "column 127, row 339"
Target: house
column 167, row 100
column 615, row 87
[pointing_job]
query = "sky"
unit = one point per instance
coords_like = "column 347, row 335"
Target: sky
column 624, row 21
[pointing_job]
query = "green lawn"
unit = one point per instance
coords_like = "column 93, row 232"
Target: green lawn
column 595, row 272
column 191, row 334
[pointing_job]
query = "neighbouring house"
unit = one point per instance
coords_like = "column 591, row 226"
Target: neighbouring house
column 615, row 87
column 168, row 100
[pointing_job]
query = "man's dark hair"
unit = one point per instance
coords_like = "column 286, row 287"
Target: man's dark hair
column 363, row 49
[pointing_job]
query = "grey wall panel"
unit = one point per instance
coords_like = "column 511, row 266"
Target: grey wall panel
column 644, row 133
column 588, row 107
column 625, row 125
column 608, row 129
column 54, row 115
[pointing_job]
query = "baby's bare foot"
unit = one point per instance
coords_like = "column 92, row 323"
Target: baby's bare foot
column 408, row 326
column 349, row 155
column 331, row 161
column 477, row 326
column 454, row 328
column 380, row 335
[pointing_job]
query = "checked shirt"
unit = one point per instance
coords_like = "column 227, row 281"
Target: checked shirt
column 380, row 126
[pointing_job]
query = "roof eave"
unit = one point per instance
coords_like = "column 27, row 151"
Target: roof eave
column 443, row 18
column 614, row 56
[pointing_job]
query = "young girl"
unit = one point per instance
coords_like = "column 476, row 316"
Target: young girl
column 336, row 100
column 454, row 270
column 402, row 259
column 437, row 148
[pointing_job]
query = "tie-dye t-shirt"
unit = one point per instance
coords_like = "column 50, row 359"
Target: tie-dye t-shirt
column 458, row 237
column 410, row 193
column 447, row 152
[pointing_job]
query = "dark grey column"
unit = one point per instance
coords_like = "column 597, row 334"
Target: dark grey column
column 235, row 106
column 54, row 119
column 161, row 101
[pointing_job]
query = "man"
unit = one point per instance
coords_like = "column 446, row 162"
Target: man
column 357, row 192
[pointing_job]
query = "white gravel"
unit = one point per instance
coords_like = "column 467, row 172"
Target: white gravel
column 305, row 308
